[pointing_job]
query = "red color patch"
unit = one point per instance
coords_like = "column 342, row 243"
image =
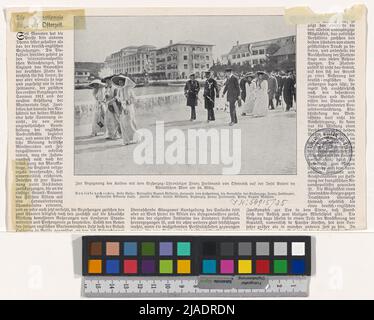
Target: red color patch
column 130, row 266
column 262, row 266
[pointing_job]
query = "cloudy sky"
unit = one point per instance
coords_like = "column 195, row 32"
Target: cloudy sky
column 105, row 35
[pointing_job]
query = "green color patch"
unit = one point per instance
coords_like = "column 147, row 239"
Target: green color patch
column 166, row 266
column 184, row 249
column 280, row 266
column 148, row 249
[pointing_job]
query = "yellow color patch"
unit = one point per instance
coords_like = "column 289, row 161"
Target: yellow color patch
column 245, row 266
column 184, row 266
column 94, row 266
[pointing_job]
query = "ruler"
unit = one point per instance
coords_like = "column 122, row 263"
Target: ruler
column 117, row 287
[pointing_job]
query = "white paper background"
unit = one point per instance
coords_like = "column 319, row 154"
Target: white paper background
column 42, row 265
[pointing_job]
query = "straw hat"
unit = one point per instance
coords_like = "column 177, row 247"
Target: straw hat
column 249, row 74
column 128, row 82
column 106, row 78
column 96, row 83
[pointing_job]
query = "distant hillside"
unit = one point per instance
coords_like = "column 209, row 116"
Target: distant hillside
column 93, row 67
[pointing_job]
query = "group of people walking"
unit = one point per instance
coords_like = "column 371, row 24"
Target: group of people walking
column 114, row 113
column 255, row 93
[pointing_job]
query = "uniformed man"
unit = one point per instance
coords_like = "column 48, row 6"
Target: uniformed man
column 191, row 91
column 211, row 91
column 233, row 94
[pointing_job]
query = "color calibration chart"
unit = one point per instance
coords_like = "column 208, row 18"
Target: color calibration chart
column 136, row 266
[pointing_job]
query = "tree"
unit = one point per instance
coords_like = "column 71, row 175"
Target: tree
column 105, row 72
column 272, row 48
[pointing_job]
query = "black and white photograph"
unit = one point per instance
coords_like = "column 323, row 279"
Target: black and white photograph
column 185, row 95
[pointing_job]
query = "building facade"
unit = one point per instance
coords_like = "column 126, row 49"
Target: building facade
column 81, row 76
column 174, row 61
column 132, row 60
column 256, row 53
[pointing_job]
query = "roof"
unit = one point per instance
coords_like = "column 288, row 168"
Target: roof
column 244, row 47
column 289, row 48
column 193, row 42
column 188, row 42
column 82, row 69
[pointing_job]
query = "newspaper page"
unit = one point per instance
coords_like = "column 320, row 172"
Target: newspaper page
column 186, row 119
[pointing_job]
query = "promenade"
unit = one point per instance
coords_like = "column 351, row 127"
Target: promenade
column 268, row 145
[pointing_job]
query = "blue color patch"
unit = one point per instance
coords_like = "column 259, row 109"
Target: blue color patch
column 112, row 266
column 209, row 266
column 297, row 266
column 130, row 249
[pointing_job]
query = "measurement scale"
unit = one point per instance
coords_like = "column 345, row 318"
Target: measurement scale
column 121, row 287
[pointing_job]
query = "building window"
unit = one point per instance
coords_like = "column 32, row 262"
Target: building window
column 185, row 66
column 185, row 57
column 255, row 52
column 197, row 66
column 207, row 49
column 255, row 61
column 207, row 65
column 234, row 56
column 262, row 51
column 184, row 49
column 243, row 54
column 247, row 54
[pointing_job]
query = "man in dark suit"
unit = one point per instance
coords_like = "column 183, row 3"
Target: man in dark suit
column 211, row 91
column 191, row 91
column 288, row 90
column 242, row 83
column 278, row 94
column 233, row 94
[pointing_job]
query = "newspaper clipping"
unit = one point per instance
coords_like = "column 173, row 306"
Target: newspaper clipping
column 193, row 119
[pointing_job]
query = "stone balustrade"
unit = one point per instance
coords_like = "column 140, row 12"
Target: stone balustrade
column 143, row 104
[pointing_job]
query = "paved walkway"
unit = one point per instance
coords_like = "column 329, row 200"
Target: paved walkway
column 268, row 144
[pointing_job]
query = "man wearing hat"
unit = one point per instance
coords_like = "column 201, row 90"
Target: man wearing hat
column 272, row 89
column 242, row 85
column 211, row 91
column 278, row 94
column 191, row 91
column 233, row 94
column 288, row 90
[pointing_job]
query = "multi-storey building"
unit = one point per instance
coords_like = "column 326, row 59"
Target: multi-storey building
column 174, row 61
column 255, row 53
column 81, row 76
column 132, row 60
column 178, row 60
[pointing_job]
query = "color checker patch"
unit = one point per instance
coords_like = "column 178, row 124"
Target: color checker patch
column 166, row 266
column 95, row 266
column 263, row 266
column 209, row 266
column 130, row 266
column 245, row 266
column 280, row 266
column 183, row 249
column 184, row 266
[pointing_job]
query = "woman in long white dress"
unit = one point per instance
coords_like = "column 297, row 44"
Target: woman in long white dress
column 250, row 88
column 98, row 109
column 261, row 93
column 112, row 112
column 126, row 99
